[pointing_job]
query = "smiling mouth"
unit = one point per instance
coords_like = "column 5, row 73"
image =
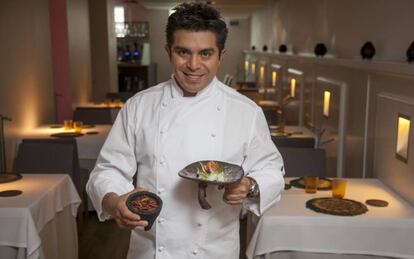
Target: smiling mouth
column 192, row 77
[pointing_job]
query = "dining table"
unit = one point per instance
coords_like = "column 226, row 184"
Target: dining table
column 291, row 230
column 89, row 144
column 40, row 223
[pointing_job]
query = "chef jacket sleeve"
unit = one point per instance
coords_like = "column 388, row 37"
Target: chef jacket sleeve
column 263, row 163
column 116, row 163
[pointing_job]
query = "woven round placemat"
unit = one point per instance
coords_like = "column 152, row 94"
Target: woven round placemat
column 9, row 177
column 67, row 135
column 377, row 202
column 335, row 206
column 10, row 193
column 323, row 185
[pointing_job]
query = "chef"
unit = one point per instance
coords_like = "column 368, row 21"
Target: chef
column 189, row 118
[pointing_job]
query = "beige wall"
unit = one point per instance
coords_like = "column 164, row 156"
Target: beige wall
column 79, row 51
column 343, row 25
column 237, row 41
column 26, row 88
column 103, row 49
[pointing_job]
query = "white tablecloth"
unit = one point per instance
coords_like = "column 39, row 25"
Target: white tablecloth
column 289, row 226
column 23, row 217
column 89, row 146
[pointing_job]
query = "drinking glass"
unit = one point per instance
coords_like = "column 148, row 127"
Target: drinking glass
column 311, row 183
column 78, row 125
column 67, row 124
column 338, row 188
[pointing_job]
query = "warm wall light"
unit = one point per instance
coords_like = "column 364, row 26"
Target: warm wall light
column 253, row 68
column 292, row 87
column 262, row 70
column 403, row 137
column 326, row 103
column 274, row 77
column 246, row 67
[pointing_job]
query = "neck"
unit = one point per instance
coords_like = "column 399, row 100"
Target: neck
column 186, row 93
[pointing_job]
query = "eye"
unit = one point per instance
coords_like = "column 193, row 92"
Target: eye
column 206, row 53
column 182, row 52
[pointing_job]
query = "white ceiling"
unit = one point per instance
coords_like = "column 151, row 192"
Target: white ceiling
column 228, row 8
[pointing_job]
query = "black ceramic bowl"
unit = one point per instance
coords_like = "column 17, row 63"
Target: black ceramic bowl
column 148, row 215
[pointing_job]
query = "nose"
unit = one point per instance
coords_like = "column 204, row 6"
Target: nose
column 194, row 63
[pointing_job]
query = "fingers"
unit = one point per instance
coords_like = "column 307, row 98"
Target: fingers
column 234, row 198
column 235, row 193
column 126, row 224
column 124, row 217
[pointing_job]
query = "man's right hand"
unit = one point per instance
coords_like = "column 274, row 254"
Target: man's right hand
column 116, row 207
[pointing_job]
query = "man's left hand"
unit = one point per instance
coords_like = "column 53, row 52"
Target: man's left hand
column 235, row 193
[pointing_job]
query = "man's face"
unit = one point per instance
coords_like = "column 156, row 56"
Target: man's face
column 195, row 58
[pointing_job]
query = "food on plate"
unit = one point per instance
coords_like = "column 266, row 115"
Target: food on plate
column 211, row 171
column 145, row 204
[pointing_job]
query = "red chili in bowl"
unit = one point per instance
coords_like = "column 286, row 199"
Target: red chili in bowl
column 145, row 204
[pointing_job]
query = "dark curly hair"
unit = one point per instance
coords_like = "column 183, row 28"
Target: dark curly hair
column 197, row 17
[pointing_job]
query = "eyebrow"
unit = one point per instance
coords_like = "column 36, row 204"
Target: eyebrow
column 177, row 48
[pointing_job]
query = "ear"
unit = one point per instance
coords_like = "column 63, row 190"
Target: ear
column 168, row 50
column 222, row 54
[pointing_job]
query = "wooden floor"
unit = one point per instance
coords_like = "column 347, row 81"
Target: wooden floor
column 105, row 240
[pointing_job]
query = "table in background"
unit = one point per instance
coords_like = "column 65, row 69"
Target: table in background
column 41, row 222
column 290, row 226
column 297, row 136
column 89, row 145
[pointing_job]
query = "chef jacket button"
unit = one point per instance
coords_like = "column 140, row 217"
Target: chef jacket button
column 164, row 104
column 218, row 108
column 163, row 131
column 162, row 162
column 213, row 135
column 160, row 249
column 199, row 224
column 161, row 220
column 160, row 190
column 195, row 252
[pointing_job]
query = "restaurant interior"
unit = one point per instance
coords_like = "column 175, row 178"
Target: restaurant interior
column 335, row 80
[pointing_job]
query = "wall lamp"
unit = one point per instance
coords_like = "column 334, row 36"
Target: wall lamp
column 292, row 87
column 403, row 137
column 326, row 103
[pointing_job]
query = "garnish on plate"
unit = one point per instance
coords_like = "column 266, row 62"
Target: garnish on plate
column 211, row 171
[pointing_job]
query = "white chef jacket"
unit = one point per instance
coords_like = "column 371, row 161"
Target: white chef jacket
column 156, row 134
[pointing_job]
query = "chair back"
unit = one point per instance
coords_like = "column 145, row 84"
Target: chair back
column 123, row 96
column 49, row 156
column 95, row 115
column 303, row 161
column 293, row 142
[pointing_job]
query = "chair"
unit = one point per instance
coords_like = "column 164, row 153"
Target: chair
column 123, row 96
column 91, row 115
column 52, row 156
column 293, row 142
column 303, row 161
column 228, row 79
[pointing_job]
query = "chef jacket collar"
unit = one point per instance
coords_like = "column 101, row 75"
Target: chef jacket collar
column 177, row 92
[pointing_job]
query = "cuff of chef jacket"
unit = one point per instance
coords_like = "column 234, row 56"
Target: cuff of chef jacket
column 270, row 193
column 103, row 189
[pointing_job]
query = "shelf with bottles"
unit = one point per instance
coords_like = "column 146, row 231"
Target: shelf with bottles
column 136, row 30
column 130, row 51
